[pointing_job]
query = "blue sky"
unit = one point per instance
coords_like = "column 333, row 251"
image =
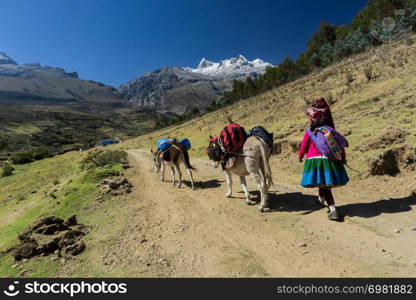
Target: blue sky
column 113, row 41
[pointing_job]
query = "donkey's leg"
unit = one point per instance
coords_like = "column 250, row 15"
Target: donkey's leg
column 246, row 193
column 229, row 183
column 172, row 171
column 253, row 167
column 178, row 170
column 191, row 178
column 162, row 172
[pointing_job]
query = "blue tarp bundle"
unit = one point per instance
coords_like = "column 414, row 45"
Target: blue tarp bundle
column 186, row 143
column 164, row 144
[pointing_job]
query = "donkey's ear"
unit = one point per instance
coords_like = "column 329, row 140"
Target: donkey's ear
column 151, row 151
column 210, row 138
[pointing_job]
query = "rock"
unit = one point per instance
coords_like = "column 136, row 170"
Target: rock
column 385, row 163
column 25, row 251
column 413, row 227
column 397, row 230
column 302, row 245
column 15, row 266
column 163, row 261
column 50, row 235
column 72, row 221
column 76, row 248
column 33, row 192
column 51, row 229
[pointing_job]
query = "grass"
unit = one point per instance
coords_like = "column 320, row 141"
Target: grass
column 76, row 195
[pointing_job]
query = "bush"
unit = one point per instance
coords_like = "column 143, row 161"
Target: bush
column 102, row 158
column 31, row 155
column 20, row 158
column 7, row 170
column 41, row 153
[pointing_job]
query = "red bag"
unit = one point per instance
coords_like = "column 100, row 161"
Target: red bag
column 233, row 137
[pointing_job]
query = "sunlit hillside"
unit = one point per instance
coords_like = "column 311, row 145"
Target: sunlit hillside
column 374, row 105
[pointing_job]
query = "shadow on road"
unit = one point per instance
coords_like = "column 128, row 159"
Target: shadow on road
column 373, row 209
column 292, row 202
column 214, row 183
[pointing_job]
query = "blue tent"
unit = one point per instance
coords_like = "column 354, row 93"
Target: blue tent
column 110, row 142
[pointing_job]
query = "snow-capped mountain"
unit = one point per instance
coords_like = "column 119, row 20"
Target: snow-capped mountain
column 6, row 60
column 231, row 68
column 177, row 90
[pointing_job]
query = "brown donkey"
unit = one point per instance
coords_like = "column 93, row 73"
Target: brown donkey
column 172, row 157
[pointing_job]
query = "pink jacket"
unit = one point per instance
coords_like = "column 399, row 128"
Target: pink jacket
column 309, row 148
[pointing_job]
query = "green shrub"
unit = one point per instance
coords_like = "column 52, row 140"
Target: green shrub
column 97, row 174
column 20, row 158
column 7, row 170
column 41, row 153
column 31, row 155
column 102, row 158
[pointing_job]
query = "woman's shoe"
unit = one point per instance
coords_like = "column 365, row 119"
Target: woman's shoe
column 333, row 215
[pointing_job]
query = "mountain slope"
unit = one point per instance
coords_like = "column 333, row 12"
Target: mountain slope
column 45, row 106
column 178, row 90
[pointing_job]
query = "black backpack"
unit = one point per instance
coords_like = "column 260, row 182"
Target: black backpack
column 262, row 133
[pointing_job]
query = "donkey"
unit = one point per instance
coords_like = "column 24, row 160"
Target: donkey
column 252, row 160
column 172, row 157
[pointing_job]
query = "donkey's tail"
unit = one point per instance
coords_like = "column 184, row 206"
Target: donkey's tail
column 266, row 164
column 185, row 159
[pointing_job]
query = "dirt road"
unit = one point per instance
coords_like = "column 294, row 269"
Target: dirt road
column 184, row 233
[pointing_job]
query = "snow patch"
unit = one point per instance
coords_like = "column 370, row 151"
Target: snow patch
column 232, row 67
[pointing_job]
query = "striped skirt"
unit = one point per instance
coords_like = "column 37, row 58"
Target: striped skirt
column 322, row 172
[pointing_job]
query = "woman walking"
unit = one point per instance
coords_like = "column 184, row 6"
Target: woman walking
column 325, row 155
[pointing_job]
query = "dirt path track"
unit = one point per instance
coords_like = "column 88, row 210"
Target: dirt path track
column 183, row 233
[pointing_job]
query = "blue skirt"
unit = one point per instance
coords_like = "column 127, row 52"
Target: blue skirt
column 322, row 172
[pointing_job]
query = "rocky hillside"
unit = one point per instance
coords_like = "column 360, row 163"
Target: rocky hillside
column 178, row 90
column 46, row 106
column 27, row 83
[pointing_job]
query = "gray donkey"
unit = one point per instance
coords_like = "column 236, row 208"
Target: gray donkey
column 252, row 160
column 172, row 157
